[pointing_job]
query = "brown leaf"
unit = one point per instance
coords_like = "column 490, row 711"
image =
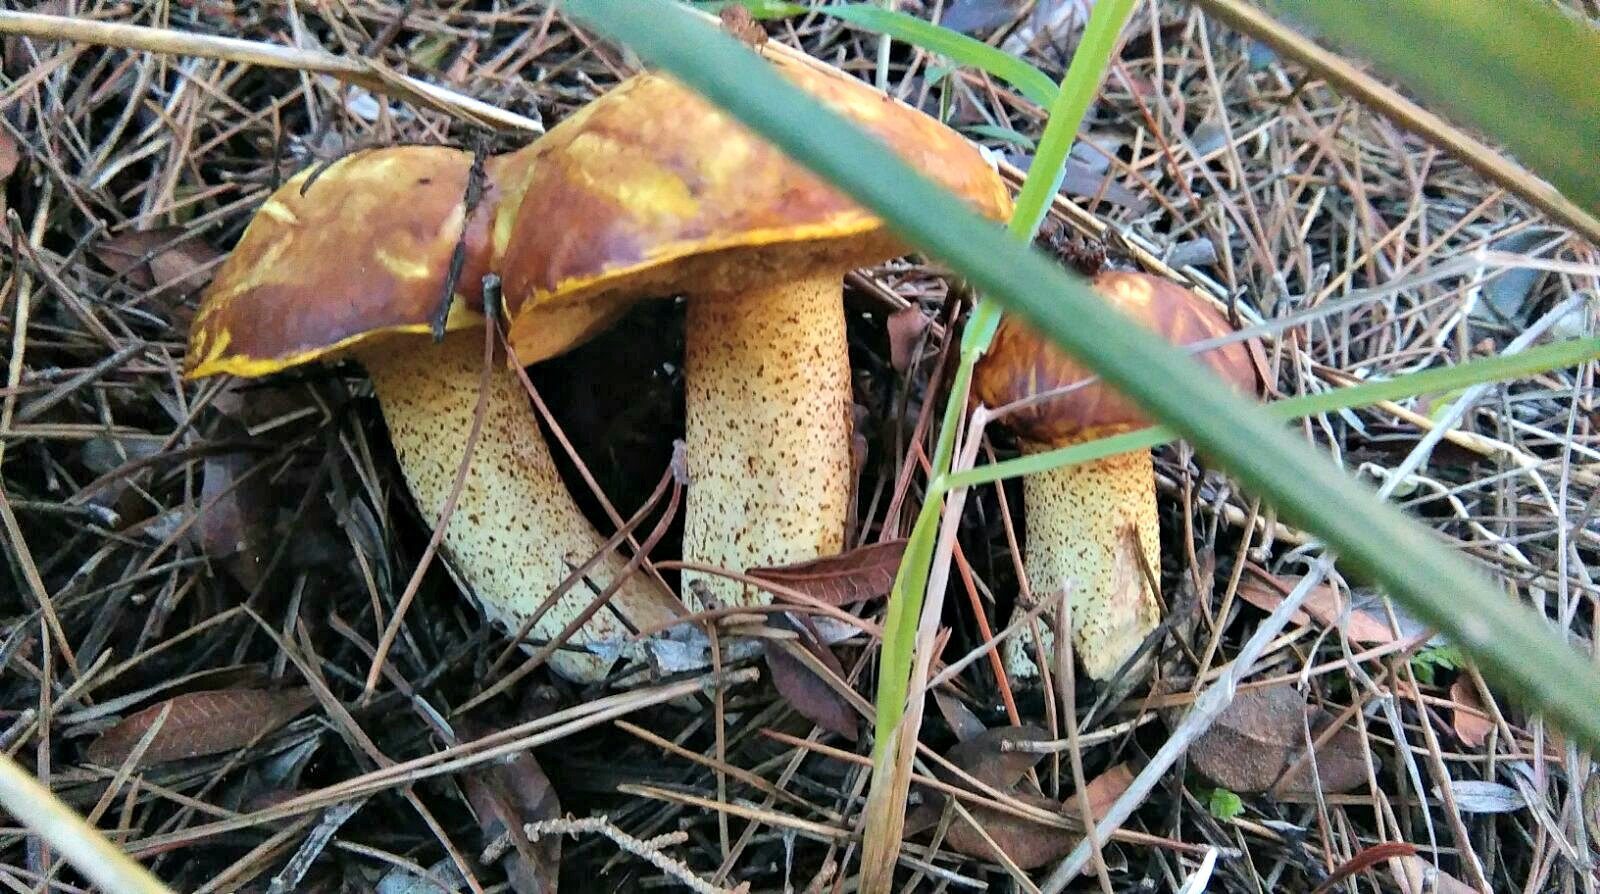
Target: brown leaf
column 1324, row 604
column 1030, row 844
column 9, row 154
column 1261, row 735
column 166, row 258
column 854, row 576
column 905, row 326
column 185, row 267
column 1471, row 723
column 200, row 723
column 983, row 756
column 1105, row 789
column 807, row 693
column 507, row 796
column 1415, row 875
column 962, row 721
column 235, row 525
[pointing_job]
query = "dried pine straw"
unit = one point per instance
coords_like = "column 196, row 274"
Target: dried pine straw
column 164, row 538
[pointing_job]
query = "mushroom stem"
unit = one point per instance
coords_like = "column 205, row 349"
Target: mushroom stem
column 768, row 430
column 1081, row 523
column 516, row 533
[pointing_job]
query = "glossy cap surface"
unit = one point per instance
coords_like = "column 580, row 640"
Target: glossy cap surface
column 1021, row 363
column 652, row 191
column 357, row 252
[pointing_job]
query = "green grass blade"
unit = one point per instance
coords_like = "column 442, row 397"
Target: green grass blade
column 1513, row 645
column 1488, row 369
column 1029, row 81
column 1520, row 69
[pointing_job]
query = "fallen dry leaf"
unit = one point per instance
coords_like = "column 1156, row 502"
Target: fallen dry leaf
column 235, row 525
column 1471, row 724
column 1105, row 789
column 1324, row 604
column 960, row 718
column 1027, row 843
column 1414, row 875
column 9, row 156
column 813, row 697
column 507, row 796
column 854, row 576
column 166, row 260
column 1262, row 734
column 200, row 723
column 905, row 327
column 985, row 758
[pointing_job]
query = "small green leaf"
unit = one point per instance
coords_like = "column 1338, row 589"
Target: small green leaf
column 1223, row 804
column 1423, row 664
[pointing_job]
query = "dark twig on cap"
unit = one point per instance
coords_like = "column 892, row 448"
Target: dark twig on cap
column 458, row 258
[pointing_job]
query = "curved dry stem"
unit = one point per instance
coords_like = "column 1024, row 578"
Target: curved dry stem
column 516, row 533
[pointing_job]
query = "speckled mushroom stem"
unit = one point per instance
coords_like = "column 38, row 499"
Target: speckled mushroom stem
column 768, row 430
column 516, row 533
column 1079, row 523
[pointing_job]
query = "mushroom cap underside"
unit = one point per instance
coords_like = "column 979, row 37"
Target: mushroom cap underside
column 1021, row 363
column 339, row 255
column 651, row 191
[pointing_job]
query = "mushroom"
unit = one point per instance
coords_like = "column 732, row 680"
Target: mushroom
column 1088, row 525
column 353, row 263
column 650, row 191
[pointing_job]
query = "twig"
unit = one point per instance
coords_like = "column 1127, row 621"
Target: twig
column 601, row 825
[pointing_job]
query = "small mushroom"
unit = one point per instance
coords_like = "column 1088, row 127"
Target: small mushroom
column 650, row 192
column 1089, row 524
column 353, row 263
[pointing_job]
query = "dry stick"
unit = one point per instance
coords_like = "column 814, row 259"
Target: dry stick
column 1069, row 712
column 1215, row 699
column 368, row 73
column 386, row 642
column 649, row 851
column 1346, row 77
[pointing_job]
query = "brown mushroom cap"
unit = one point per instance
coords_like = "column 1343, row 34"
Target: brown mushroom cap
column 1020, row 363
column 650, row 190
column 361, row 252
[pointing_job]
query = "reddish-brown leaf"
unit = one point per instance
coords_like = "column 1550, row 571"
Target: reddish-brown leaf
column 1416, row 875
column 166, row 258
column 9, row 155
column 1262, row 734
column 854, row 576
column 1471, row 723
column 1105, row 789
column 235, row 526
column 1324, row 605
column 185, row 267
column 810, row 695
column 905, row 326
column 1027, row 843
column 985, row 758
column 201, row 723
